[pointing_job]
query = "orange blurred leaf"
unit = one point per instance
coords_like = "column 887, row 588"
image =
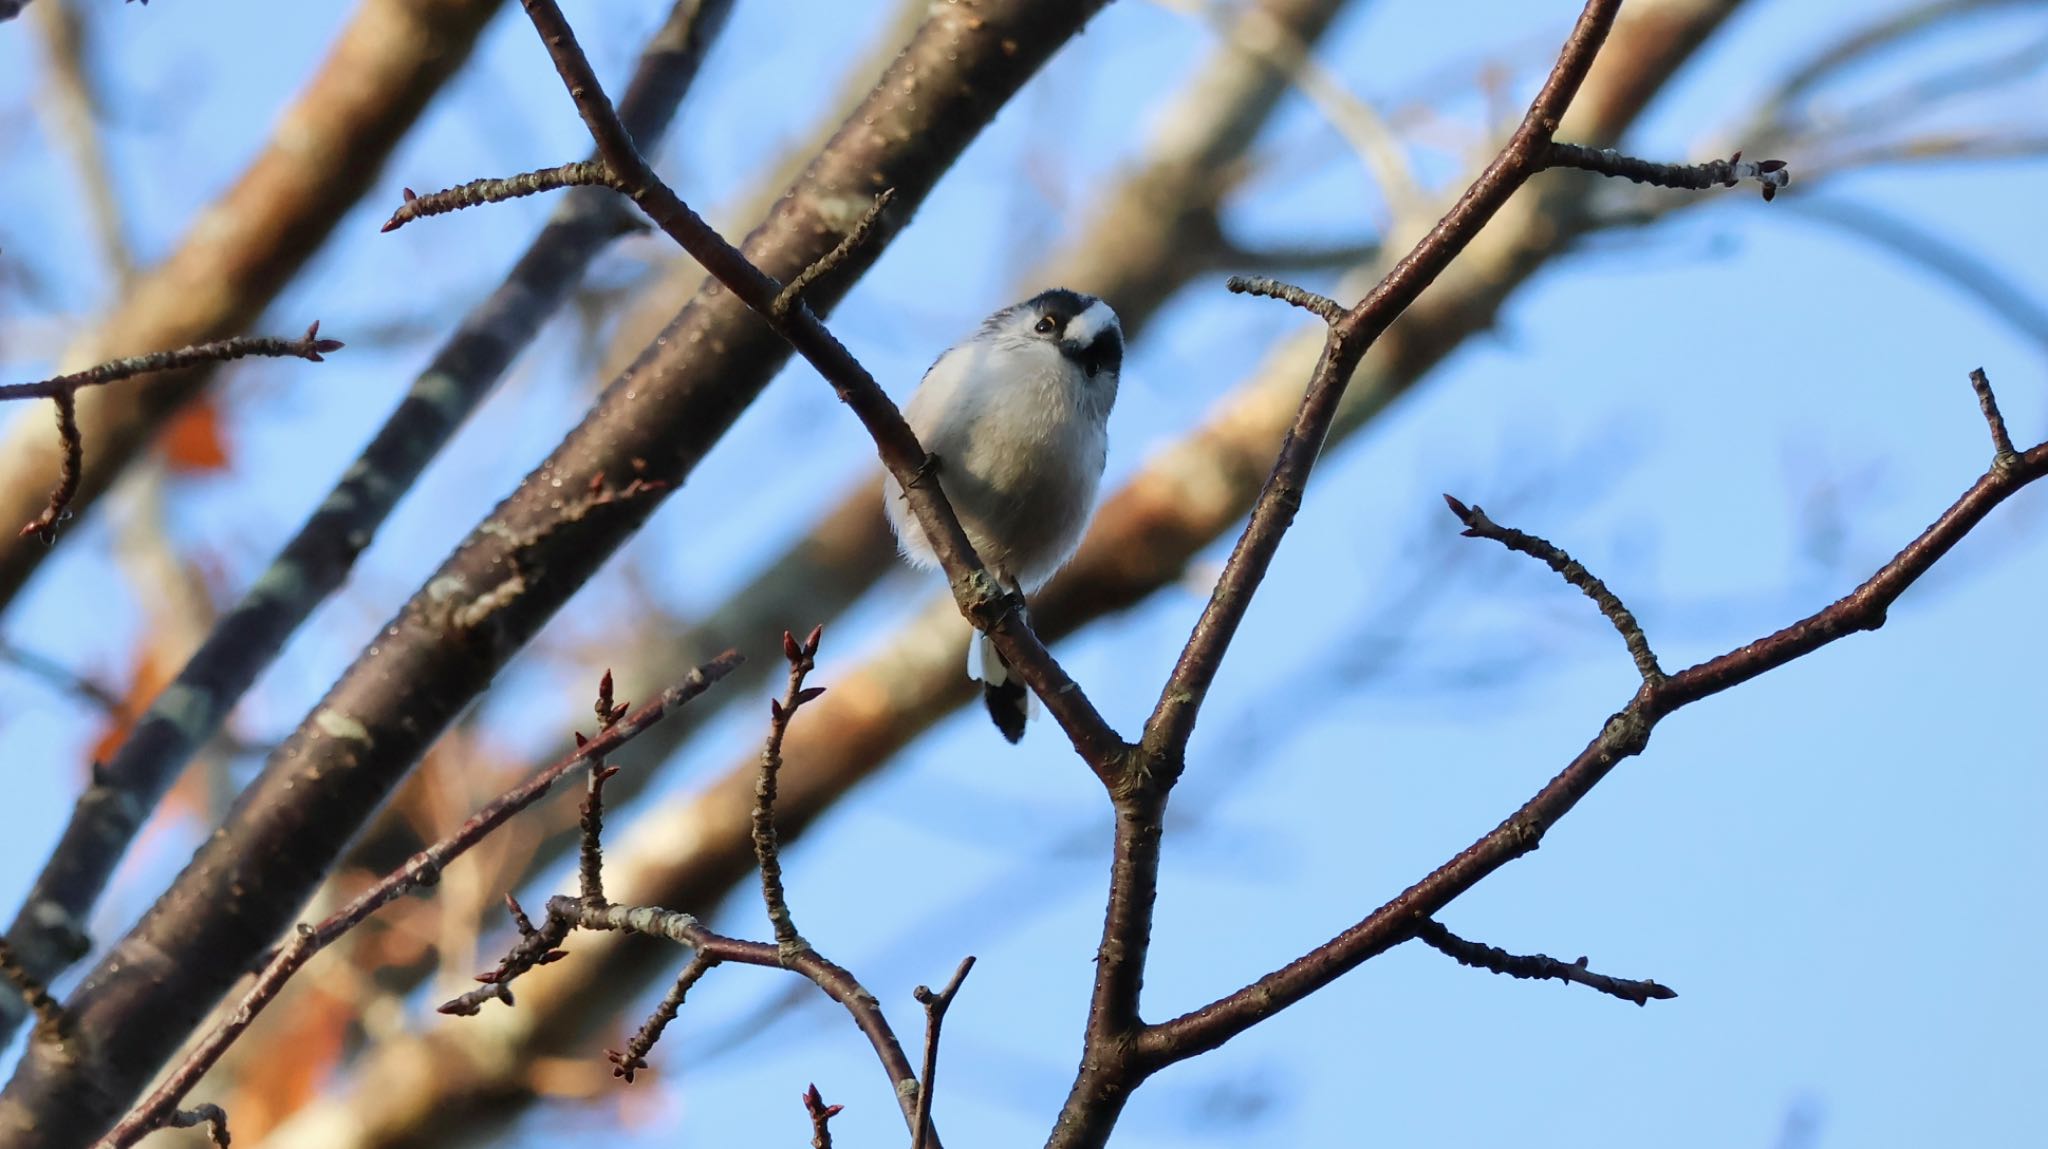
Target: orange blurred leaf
column 194, row 443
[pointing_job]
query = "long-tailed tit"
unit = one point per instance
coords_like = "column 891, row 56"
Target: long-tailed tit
column 1017, row 415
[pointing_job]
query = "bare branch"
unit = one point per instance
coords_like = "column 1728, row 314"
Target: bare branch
column 981, row 600
column 64, row 390
column 582, row 173
column 935, row 1006
column 422, row 870
column 2001, row 440
column 1535, row 967
column 1623, row 736
column 49, row 931
column 568, row 914
column 1173, row 719
column 590, row 822
column 69, row 471
column 1111, row 1064
column 629, row 1061
column 802, row 658
column 1321, row 306
column 1773, row 175
column 1477, row 525
column 821, row 1118
column 308, row 346
column 848, row 244
column 246, row 246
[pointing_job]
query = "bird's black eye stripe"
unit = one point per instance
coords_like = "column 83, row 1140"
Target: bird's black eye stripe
column 1046, row 325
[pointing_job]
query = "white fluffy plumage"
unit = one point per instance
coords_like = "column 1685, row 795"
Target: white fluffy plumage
column 1017, row 415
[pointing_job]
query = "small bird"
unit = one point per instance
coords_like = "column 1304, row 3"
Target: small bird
column 1017, row 416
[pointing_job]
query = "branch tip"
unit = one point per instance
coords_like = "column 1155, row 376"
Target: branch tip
column 2001, row 439
column 821, row 1116
column 1321, row 306
column 1478, row 525
column 791, row 296
column 1772, row 175
column 1536, row 967
column 802, row 658
column 935, row 1006
column 475, row 193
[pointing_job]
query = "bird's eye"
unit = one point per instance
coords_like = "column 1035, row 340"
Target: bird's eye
column 1046, row 325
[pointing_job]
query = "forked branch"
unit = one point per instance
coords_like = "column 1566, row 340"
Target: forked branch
column 541, row 944
column 1622, row 736
column 420, row 871
column 64, row 389
column 980, row 598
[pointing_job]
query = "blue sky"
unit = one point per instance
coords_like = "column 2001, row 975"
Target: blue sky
column 1732, row 417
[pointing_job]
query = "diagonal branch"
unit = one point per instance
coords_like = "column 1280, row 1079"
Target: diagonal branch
column 981, row 600
column 1173, row 719
column 935, row 1006
column 1113, row 1063
column 420, row 871
column 238, row 255
column 1479, row 526
column 802, row 658
column 589, row 909
column 1623, row 736
column 1535, row 967
column 49, row 930
column 511, row 572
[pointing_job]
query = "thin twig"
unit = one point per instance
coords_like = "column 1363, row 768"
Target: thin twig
column 590, row 819
column 422, row 869
column 1536, row 967
column 847, row 245
column 633, row 1058
column 1321, row 306
column 537, row 946
column 568, row 914
column 935, row 1006
column 69, row 473
column 309, row 346
column 2001, row 439
column 1478, row 526
column 1773, row 175
column 821, row 1117
column 803, row 658
column 582, row 173
column 1109, row 1069
column 63, row 389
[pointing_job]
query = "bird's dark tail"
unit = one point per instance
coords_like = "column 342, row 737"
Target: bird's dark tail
column 1009, row 703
